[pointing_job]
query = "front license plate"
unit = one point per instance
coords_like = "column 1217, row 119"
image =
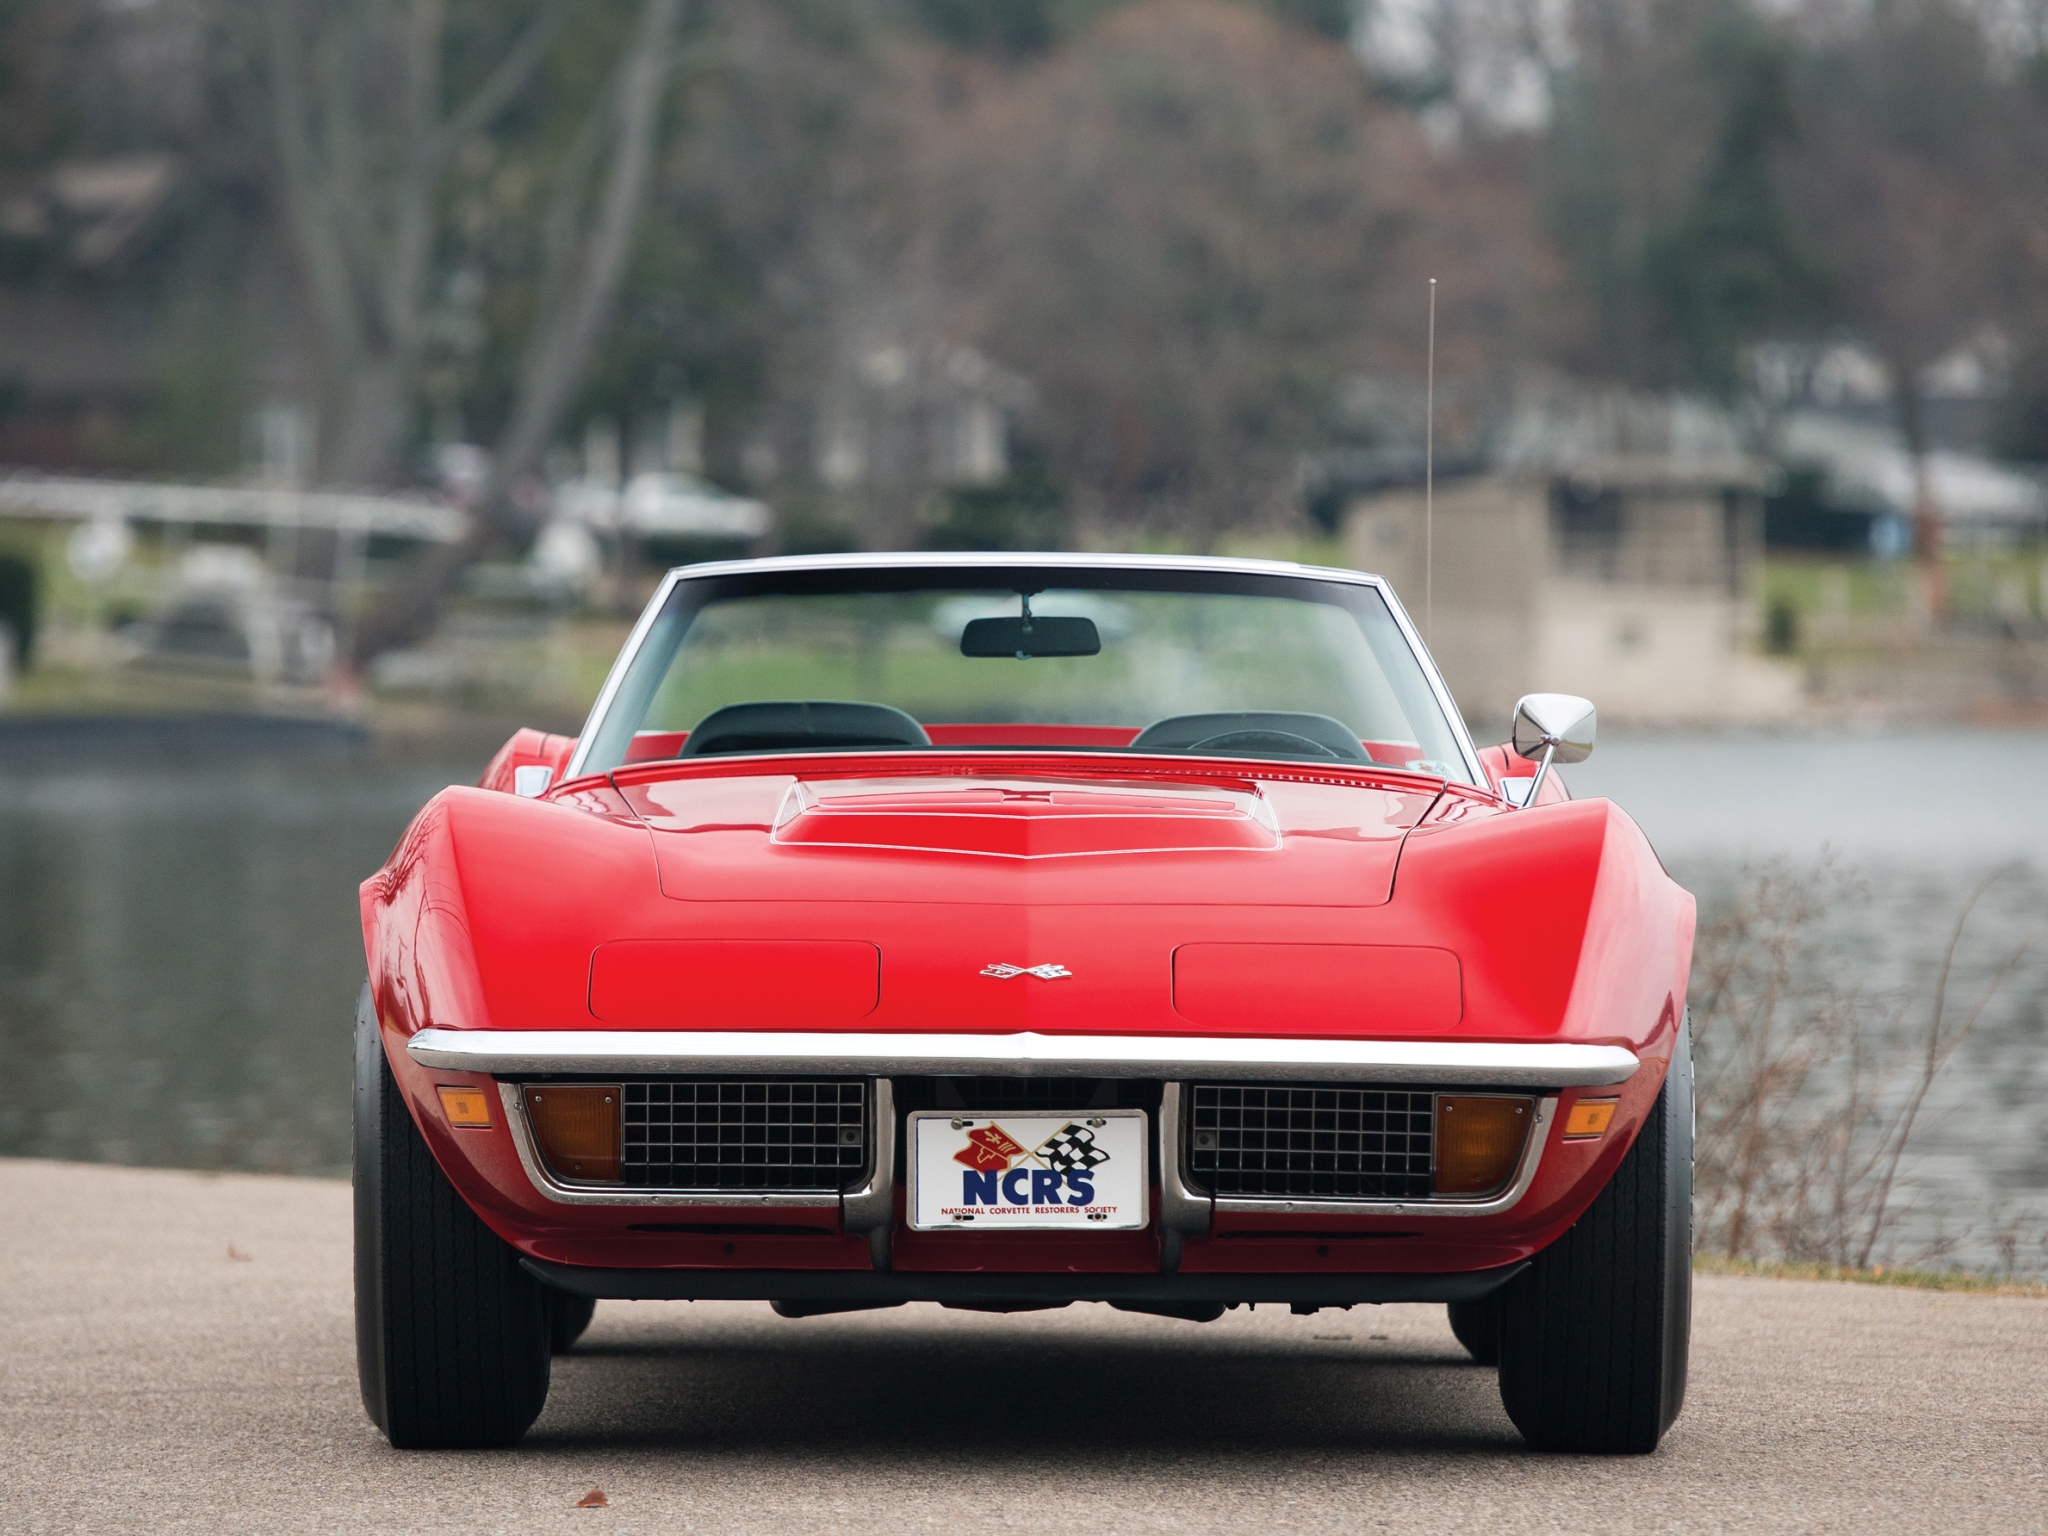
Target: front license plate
column 1080, row 1172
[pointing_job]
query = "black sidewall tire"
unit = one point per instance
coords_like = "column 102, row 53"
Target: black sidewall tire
column 1477, row 1325
column 1595, row 1334
column 568, row 1316
column 452, row 1335
column 1679, row 1127
column 366, row 1177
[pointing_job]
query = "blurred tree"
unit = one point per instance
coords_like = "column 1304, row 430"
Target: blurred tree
column 363, row 147
column 1025, row 511
column 363, row 140
column 131, row 233
column 1184, row 230
column 774, row 243
column 1335, row 19
column 1661, row 181
column 1897, row 181
column 1727, row 270
column 2020, row 428
column 1720, row 177
column 35, row 121
column 1005, row 28
column 1016, row 29
column 774, row 227
column 19, row 601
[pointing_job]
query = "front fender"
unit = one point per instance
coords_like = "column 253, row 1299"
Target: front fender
column 1565, row 923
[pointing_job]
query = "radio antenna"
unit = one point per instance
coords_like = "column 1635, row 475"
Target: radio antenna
column 1429, row 479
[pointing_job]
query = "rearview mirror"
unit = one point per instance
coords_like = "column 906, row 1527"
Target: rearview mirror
column 1030, row 636
column 1561, row 721
column 1551, row 728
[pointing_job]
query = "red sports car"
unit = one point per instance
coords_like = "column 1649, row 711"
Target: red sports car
column 1005, row 931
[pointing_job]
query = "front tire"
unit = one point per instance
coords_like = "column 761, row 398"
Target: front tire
column 1477, row 1325
column 1594, row 1334
column 452, row 1336
column 568, row 1316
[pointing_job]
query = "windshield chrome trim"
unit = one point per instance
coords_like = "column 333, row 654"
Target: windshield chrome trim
column 621, row 664
column 937, row 560
column 1448, row 1064
column 1437, row 685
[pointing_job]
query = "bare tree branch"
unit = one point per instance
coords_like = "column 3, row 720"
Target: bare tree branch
column 561, row 226
column 1939, row 1048
column 568, row 330
column 308, row 203
column 505, row 82
column 363, row 141
column 563, row 343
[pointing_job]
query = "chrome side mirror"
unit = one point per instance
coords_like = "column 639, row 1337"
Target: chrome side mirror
column 1553, row 728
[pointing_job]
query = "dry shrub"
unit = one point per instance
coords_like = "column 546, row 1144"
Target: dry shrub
column 1809, row 1086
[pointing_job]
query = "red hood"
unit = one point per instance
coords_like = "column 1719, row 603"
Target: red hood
column 828, row 896
column 1005, row 837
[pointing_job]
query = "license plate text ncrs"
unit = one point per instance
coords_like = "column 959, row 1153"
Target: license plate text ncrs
column 1079, row 1172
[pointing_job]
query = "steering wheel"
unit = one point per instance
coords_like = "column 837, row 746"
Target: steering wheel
column 1257, row 732
column 1261, row 743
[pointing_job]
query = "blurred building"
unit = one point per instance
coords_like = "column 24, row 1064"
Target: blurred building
column 1850, row 487
column 1607, row 545
column 1864, row 489
column 245, row 580
column 935, row 414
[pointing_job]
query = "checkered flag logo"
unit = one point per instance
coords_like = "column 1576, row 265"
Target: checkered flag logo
column 1072, row 1146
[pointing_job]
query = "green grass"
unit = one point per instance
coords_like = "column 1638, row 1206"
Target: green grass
column 1861, row 586
column 2008, row 581
column 1912, row 1279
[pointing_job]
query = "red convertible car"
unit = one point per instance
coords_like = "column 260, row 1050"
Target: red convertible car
column 1006, row 931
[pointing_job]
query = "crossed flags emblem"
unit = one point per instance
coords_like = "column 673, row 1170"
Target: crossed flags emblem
column 1070, row 1147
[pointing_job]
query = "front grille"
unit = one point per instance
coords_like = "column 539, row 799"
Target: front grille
column 745, row 1134
column 1313, row 1143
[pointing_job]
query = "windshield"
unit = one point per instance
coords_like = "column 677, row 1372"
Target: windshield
column 1197, row 663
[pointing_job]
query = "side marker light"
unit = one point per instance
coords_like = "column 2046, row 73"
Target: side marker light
column 1589, row 1118
column 469, row 1108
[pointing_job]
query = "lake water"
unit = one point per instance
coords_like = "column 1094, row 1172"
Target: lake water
column 179, row 954
column 180, row 957
column 1916, row 821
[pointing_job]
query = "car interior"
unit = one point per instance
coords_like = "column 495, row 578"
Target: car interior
column 829, row 725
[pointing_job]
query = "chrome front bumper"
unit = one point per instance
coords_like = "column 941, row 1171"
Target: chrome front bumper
column 870, row 1209
column 657, row 1053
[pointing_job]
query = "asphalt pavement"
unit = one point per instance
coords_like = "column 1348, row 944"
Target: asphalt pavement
column 176, row 1355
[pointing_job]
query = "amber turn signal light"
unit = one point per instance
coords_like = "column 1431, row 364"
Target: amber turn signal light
column 577, row 1127
column 469, row 1108
column 1590, row 1117
column 1479, row 1141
